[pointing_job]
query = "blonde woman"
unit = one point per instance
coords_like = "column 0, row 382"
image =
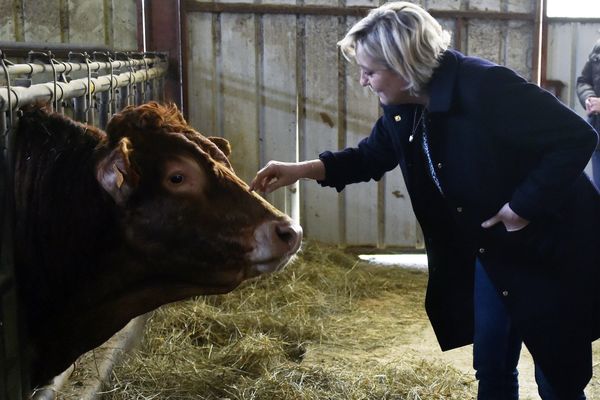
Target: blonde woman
column 494, row 168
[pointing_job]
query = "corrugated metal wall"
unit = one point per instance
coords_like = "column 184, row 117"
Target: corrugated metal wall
column 275, row 85
column 111, row 23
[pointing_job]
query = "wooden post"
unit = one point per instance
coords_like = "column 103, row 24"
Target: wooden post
column 163, row 33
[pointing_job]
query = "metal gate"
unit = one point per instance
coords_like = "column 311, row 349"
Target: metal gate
column 88, row 87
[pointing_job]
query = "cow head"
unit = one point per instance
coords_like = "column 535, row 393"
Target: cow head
column 159, row 217
column 184, row 208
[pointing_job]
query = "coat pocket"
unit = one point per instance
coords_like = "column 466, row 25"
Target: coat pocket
column 536, row 244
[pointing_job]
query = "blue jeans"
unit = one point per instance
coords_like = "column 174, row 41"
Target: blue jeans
column 497, row 346
column 596, row 168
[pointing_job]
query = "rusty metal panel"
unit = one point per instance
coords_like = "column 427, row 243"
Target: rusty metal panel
column 124, row 25
column 485, row 39
column 87, row 22
column 90, row 22
column 42, row 21
column 7, row 26
column 486, row 5
column 441, row 4
column 523, row 6
column 519, row 47
column 365, row 3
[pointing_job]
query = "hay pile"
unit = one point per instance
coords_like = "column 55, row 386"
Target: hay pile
column 321, row 329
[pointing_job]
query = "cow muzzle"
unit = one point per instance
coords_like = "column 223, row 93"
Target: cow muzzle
column 275, row 242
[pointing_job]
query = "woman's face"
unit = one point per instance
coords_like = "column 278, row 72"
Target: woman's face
column 384, row 82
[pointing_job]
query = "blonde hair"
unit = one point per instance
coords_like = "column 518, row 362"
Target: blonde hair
column 403, row 37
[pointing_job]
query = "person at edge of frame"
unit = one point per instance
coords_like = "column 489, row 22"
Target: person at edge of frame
column 588, row 92
column 494, row 169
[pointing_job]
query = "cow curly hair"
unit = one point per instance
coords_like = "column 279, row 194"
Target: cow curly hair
column 150, row 116
column 155, row 118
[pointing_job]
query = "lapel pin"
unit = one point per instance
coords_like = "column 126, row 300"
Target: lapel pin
column 397, row 118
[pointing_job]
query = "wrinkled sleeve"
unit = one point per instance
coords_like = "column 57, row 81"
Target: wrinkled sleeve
column 585, row 86
column 525, row 117
column 372, row 158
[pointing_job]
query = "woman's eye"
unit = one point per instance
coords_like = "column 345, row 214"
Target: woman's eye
column 177, row 179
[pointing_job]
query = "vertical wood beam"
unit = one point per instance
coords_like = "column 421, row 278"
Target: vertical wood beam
column 141, row 18
column 544, row 40
column 540, row 44
column 163, row 28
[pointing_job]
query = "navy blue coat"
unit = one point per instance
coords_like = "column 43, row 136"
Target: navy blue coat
column 495, row 138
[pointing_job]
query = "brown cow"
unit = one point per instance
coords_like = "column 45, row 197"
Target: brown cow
column 112, row 225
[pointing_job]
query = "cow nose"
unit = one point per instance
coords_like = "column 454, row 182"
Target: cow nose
column 275, row 242
column 289, row 233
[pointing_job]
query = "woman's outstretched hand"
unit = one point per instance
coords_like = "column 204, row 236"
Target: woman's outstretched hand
column 277, row 174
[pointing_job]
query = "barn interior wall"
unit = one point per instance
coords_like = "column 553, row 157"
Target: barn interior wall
column 276, row 86
column 111, row 23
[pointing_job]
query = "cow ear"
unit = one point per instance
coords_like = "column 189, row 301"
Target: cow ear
column 222, row 144
column 116, row 174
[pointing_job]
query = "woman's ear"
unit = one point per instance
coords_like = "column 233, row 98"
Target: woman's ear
column 222, row 144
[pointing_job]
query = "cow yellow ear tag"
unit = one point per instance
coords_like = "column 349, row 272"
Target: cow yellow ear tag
column 119, row 177
column 397, row 118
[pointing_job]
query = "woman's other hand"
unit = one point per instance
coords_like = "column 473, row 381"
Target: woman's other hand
column 277, row 174
column 511, row 220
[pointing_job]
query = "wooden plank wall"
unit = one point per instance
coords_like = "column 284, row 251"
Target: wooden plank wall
column 569, row 45
column 276, row 86
column 88, row 22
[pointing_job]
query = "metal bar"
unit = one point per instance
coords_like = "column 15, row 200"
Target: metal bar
column 569, row 20
column 76, row 88
column 79, row 106
column 122, row 96
column 358, row 11
column 21, row 49
column 103, row 109
column 68, row 67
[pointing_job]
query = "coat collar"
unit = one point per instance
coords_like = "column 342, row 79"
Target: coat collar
column 440, row 88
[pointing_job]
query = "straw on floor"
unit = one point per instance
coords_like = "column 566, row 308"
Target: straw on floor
column 324, row 328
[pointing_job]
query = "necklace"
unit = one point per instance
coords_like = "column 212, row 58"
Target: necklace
column 416, row 123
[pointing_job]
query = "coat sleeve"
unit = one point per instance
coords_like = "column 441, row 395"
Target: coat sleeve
column 372, row 158
column 585, row 86
column 547, row 145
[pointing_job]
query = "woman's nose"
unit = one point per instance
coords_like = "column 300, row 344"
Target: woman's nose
column 363, row 79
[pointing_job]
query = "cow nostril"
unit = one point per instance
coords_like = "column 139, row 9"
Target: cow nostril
column 285, row 233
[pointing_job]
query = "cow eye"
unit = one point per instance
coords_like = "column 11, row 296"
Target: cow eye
column 176, row 179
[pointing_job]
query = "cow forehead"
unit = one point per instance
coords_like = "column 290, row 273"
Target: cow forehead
column 156, row 146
